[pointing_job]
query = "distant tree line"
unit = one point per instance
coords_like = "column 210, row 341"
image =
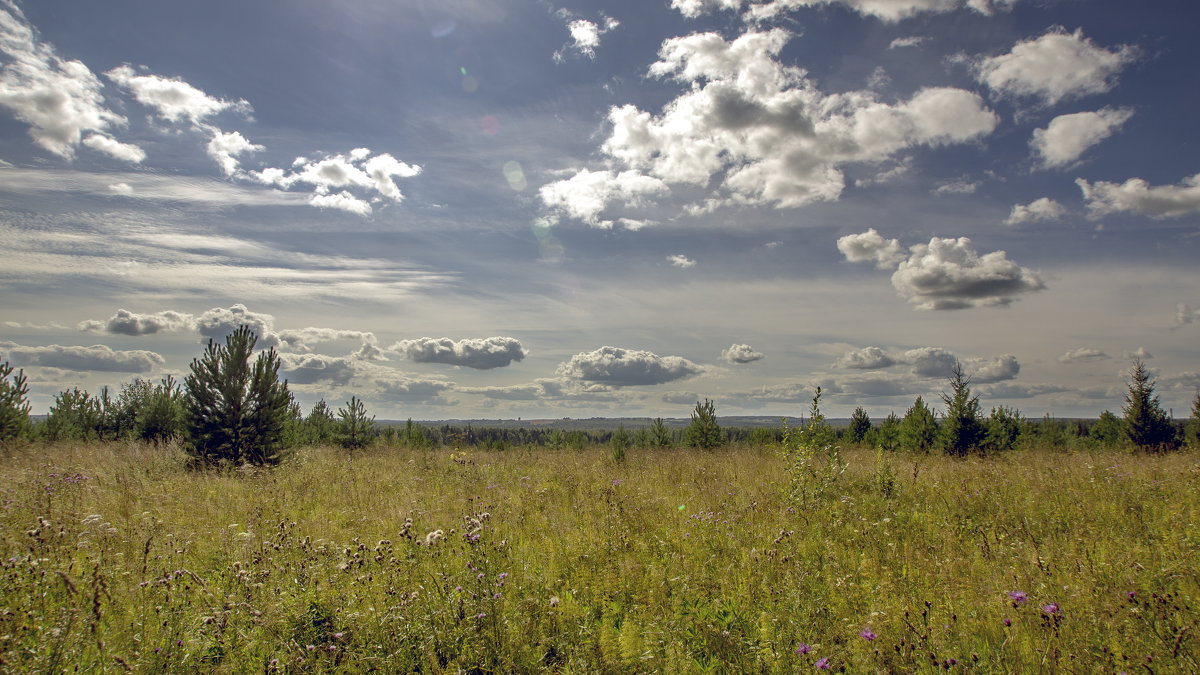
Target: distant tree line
column 233, row 409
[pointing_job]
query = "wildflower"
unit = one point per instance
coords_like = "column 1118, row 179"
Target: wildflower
column 1007, row 622
column 1131, row 594
column 1051, row 608
column 823, row 663
column 868, row 634
column 503, row 576
column 1018, row 596
column 481, row 615
column 554, row 601
column 804, row 648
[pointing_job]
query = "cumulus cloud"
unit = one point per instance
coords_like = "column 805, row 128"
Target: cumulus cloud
column 945, row 273
column 354, row 174
column 616, row 367
column 931, row 362
column 173, row 99
column 586, row 194
column 988, row 370
column 681, row 261
column 303, row 339
column 59, row 99
column 1068, row 136
column 96, row 357
column 1184, row 314
column 886, row 10
column 740, row 353
column 316, row 369
column 950, row 274
column 1054, row 67
column 1137, row 196
column 478, row 353
column 867, row 358
column 1011, row 390
column 125, row 322
column 219, row 322
column 585, row 35
column 225, row 148
column 911, row 41
column 405, row 389
column 1039, row 210
column 870, row 246
column 957, row 187
column 1139, row 353
column 1081, row 354
column 758, row 131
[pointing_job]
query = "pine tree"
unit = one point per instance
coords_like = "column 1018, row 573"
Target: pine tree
column 918, row 431
column 620, row 443
column 704, row 432
column 660, row 435
column 1146, row 424
column 14, row 403
column 1109, row 430
column 860, row 426
column 887, row 435
column 74, row 416
column 1003, row 428
column 235, row 412
column 320, row 427
column 161, row 416
column 355, row 429
column 963, row 430
column 1192, row 430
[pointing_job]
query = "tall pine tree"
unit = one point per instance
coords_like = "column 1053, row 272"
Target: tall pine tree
column 1146, row 424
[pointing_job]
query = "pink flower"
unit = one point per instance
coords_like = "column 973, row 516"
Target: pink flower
column 823, row 663
column 868, row 634
column 1018, row 596
column 1051, row 608
column 804, row 648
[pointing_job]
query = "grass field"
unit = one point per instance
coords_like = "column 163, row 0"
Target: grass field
column 117, row 558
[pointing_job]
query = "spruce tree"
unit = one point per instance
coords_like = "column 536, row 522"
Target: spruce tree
column 963, row 429
column 14, row 403
column 660, row 435
column 860, row 426
column 320, row 427
column 234, row 411
column 1146, row 424
column 918, row 431
column 1003, row 428
column 887, row 435
column 355, row 429
column 704, row 432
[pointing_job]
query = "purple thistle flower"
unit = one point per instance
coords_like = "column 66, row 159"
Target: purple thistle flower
column 1018, row 596
column 823, row 663
column 1131, row 594
column 1051, row 608
column 1008, row 622
column 804, row 648
column 868, row 634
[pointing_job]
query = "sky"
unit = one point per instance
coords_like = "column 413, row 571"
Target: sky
column 539, row 209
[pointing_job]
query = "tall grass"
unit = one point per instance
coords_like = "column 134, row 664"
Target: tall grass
column 115, row 557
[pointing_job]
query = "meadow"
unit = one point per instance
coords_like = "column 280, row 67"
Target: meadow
column 118, row 558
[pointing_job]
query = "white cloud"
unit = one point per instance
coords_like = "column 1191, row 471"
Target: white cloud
column 114, row 148
column 303, row 339
column 125, row 322
column 478, row 353
column 316, row 369
column 741, row 353
column 585, row 36
column 59, row 99
column 758, row 131
column 96, row 357
column 123, row 189
column 1139, row 353
column 912, row 41
column 988, row 370
column 1081, row 354
column 870, row 246
column 886, row 10
column 407, row 389
column 867, row 358
column 616, row 367
column 1009, row 390
column 172, row 98
column 681, row 261
column 1184, row 314
column 1069, row 136
column 219, row 322
column 950, row 274
column 586, row 194
column 1039, row 210
column 931, row 362
column 1054, row 67
column 225, row 148
column 957, row 187
column 1137, row 196
column 355, row 171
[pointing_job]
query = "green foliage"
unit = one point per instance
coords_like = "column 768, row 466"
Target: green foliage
column 620, row 443
column 160, row 418
column 414, row 435
column 355, row 429
column 1003, row 429
column 1191, row 432
column 704, row 432
column 887, row 434
column 885, row 476
column 860, row 426
column 75, row 415
column 813, row 456
column 660, row 435
column 320, row 427
column 918, row 430
column 963, row 429
column 14, row 403
column 1146, row 424
column 235, row 413
column 1108, row 431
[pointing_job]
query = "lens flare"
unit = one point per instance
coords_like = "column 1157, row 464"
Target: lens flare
column 469, row 84
column 490, row 124
column 515, row 176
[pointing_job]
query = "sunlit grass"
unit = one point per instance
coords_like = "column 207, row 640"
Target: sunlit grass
column 670, row 561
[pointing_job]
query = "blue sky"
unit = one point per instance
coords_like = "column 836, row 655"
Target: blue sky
column 510, row 208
